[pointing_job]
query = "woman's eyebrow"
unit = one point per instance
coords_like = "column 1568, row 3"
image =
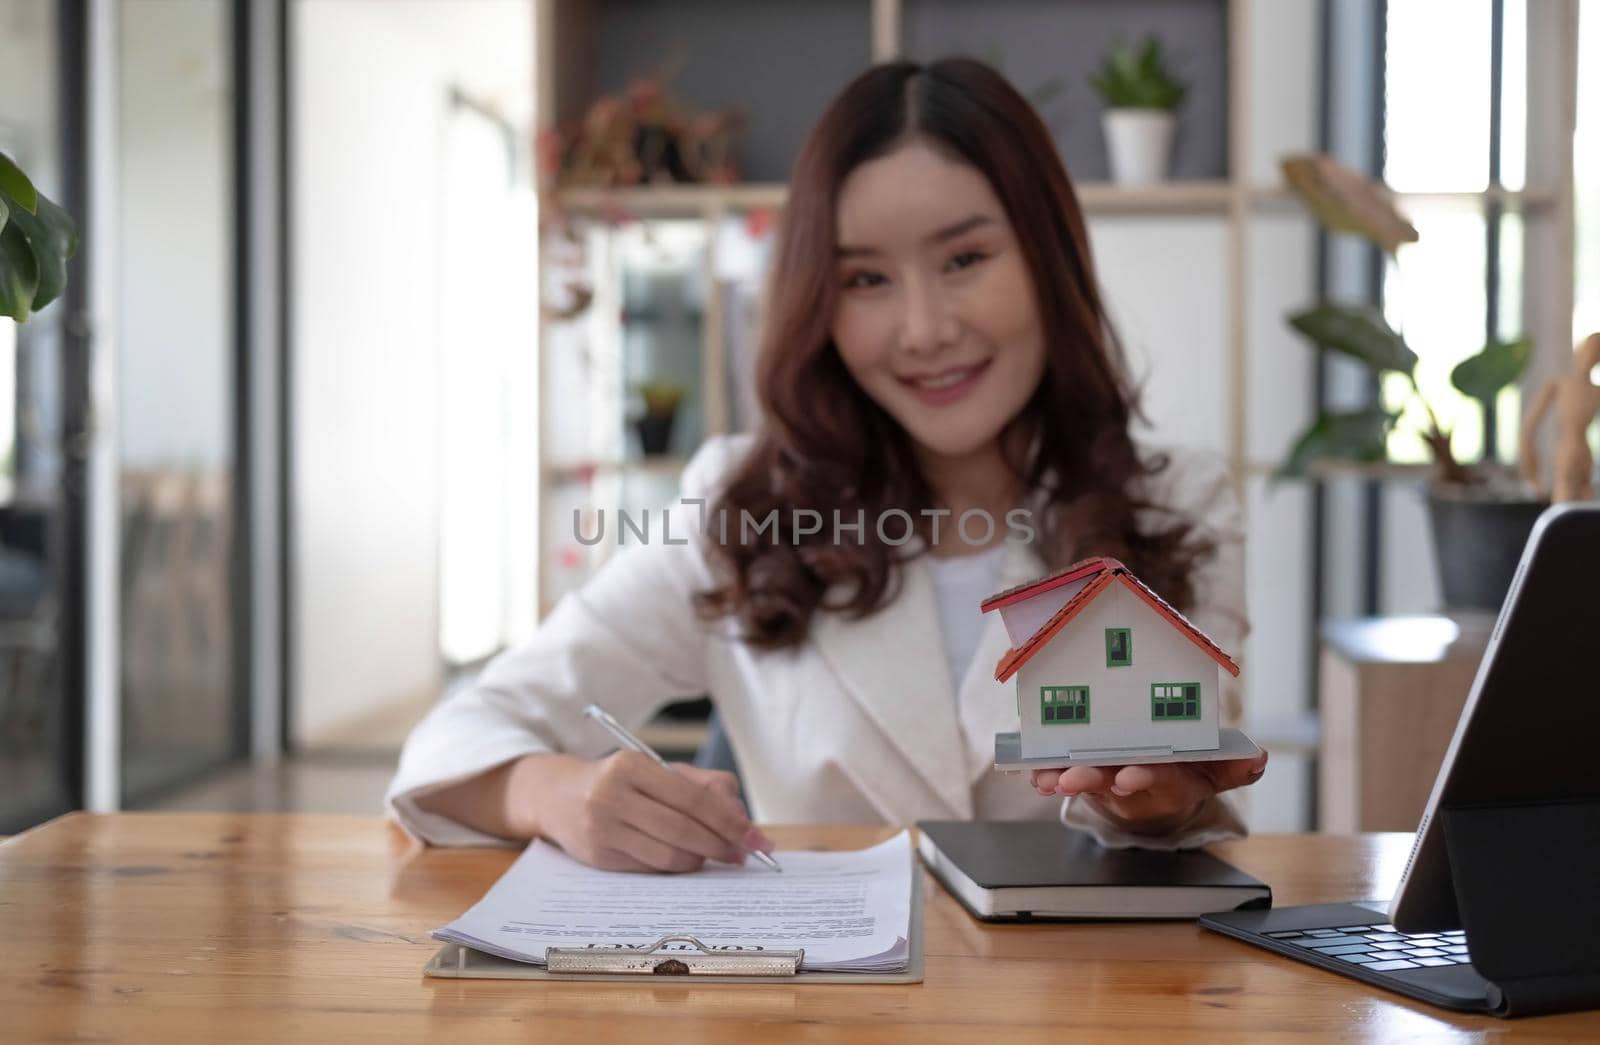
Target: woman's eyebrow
column 949, row 232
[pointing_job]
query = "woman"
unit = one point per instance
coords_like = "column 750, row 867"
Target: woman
column 934, row 347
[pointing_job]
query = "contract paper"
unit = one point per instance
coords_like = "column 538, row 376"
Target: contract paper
column 848, row 910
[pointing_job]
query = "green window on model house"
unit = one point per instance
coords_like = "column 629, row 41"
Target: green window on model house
column 1174, row 700
column 1063, row 704
column 1119, row 647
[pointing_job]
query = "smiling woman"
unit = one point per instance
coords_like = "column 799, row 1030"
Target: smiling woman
column 935, row 352
column 936, row 341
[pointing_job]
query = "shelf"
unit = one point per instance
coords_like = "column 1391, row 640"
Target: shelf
column 576, row 471
column 1097, row 197
column 1168, row 197
column 665, row 201
column 1512, row 199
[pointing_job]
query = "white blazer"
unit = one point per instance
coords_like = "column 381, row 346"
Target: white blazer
column 860, row 724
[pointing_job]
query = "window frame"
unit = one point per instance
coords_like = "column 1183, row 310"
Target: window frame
column 1126, row 662
column 1047, row 703
column 1165, row 701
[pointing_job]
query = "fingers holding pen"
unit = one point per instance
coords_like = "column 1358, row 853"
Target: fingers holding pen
column 694, row 811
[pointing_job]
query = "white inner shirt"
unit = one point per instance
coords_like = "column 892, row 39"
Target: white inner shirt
column 962, row 583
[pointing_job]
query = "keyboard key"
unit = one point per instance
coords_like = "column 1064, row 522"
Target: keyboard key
column 1425, row 952
column 1340, row 952
column 1391, row 945
column 1324, row 932
column 1384, row 928
column 1364, row 959
column 1383, row 937
column 1433, row 961
column 1286, row 936
column 1460, row 959
column 1333, row 941
column 1455, row 948
column 1357, row 929
column 1392, row 966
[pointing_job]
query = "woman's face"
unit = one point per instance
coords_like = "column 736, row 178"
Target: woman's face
column 937, row 319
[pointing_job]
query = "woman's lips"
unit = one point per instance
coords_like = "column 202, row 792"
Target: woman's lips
column 946, row 386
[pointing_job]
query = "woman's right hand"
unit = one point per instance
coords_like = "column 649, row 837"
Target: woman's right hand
column 625, row 813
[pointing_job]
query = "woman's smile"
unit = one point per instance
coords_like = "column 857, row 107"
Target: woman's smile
column 950, row 385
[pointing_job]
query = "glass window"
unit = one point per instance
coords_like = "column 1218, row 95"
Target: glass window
column 1437, row 91
column 1174, row 700
column 1586, row 176
column 1119, row 647
column 1063, row 704
column 1438, row 292
column 181, row 711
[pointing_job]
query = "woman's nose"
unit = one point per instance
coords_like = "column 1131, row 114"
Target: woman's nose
column 927, row 323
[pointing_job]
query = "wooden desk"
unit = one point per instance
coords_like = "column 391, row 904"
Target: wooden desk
column 225, row 927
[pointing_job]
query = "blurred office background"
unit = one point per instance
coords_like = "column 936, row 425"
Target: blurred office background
column 300, row 447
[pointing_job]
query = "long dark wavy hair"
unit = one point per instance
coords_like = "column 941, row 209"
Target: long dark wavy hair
column 825, row 445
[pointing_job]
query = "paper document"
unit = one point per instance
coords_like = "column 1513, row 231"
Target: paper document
column 850, row 910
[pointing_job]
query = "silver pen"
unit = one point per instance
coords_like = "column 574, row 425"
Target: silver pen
column 628, row 740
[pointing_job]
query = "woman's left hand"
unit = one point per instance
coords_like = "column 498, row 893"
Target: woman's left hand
column 1151, row 800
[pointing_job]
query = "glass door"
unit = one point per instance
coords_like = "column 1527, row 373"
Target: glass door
column 41, row 502
column 182, row 711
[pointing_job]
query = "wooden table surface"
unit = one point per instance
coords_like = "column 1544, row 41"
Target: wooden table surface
column 310, row 929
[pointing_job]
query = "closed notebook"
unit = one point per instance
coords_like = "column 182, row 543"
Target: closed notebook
column 1012, row 870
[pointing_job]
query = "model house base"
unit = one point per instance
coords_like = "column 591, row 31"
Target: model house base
column 1008, row 756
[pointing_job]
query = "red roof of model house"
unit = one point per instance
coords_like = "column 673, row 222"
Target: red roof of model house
column 1101, row 573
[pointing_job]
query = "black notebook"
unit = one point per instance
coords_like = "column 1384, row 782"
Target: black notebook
column 1015, row 870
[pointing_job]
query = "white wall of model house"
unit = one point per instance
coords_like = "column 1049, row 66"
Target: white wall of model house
column 1119, row 697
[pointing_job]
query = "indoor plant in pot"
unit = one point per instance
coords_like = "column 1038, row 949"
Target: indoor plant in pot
column 1140, row 95
column 661, row 399
column 1480, row 513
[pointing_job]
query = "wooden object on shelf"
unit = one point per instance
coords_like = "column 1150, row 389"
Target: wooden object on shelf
column 1392, row 689
column 210, row 927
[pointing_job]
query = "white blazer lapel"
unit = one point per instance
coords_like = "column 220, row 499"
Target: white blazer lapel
column 892, row 664
column 988, row 707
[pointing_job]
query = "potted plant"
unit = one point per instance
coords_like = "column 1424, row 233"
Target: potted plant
column 36, row 239
column 661, row 399
column 1140, row 96
column 1480, row 513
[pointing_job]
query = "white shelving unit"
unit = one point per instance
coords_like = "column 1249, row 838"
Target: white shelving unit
column 1198, row 275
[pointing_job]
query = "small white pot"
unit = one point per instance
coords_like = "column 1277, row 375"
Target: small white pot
column 1139, row 144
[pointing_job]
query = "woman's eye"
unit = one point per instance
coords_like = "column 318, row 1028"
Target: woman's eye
column 863, row 279
column 966, row 259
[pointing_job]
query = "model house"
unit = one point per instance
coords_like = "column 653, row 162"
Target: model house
column 1103, row 664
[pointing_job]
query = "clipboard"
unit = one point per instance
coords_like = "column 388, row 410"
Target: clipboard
column 643, row 965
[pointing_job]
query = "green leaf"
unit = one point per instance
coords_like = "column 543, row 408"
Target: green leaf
column 15, row 184
column 19, row 275
column 52, row 238
column 5, row 213
column 1130, row 79
column 1357, row 435
column 1358, row 331
column 1501, row 362
column 1344, row 200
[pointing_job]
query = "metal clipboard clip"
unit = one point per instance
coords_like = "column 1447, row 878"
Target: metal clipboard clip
column 656, row 960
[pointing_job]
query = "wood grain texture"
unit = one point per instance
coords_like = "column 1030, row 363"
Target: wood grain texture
column 224, row 927
column 1390, row 703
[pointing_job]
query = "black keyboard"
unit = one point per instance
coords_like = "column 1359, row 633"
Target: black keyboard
column 1357, row 940
column 1381, row 948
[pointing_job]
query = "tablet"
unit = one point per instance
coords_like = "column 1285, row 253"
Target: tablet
column 1530, row 729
